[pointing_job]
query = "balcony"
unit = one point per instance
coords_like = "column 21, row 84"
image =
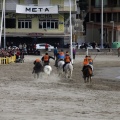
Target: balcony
column 63, row 8
column 106, row 8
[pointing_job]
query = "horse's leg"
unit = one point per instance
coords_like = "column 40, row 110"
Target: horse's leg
column 37, row 75
column 34, row 75
column 84, row 79
column 70, row 73
column 66, row 74
column 90, row 79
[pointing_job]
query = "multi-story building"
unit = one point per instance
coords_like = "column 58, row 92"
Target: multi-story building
column 31, row 21
column 111, row 19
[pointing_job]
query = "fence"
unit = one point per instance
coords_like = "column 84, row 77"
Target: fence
column 7, row 60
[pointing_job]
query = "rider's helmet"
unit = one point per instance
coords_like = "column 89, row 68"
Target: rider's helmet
column 67, row 53
column 37, row 60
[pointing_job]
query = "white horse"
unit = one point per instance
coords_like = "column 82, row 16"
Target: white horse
column 47, row 69
column 60, row 67
column 68, row 70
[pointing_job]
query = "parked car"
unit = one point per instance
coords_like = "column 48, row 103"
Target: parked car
column 88, row 46
column 41, row 46
column 74, row 45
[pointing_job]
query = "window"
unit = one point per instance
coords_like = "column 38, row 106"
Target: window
column 23, row 23
column 10, row 22
column 48, row 24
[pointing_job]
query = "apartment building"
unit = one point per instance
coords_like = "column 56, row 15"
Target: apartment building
column 36, row 21
column 111, row 19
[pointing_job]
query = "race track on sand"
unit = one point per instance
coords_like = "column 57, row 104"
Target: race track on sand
column 22, row 97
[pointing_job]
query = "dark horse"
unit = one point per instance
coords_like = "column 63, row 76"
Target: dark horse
column 87, row 73
column 37, row 69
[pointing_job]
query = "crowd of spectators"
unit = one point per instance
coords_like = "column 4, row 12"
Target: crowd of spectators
column 9, row 52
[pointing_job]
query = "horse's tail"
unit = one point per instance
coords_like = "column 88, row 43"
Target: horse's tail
column 60, row 64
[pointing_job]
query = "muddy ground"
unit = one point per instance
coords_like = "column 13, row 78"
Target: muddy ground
column 22, row 97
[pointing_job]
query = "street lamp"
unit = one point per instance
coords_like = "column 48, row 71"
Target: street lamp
column 71, row 49
column 101, row 24
column 112, row 31
column 4, row 27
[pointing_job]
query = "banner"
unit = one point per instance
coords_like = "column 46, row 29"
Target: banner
column 36, row 9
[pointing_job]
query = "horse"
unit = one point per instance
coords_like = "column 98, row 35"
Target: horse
column 47, row 69
column 87, row 74
column 37, row 69
column 60, row 66
column 68, row 70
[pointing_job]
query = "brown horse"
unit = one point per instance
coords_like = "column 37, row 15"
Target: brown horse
column 87, row 74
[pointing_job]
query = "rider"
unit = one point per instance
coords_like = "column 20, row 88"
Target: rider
column 37, row 60
column 67, row 60
column 85, row 62
column 91, row 63
column 60, row 56
column 46, row 58
column 88, row 61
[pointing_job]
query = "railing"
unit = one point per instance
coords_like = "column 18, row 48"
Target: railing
column 7, row 60
column 106, row 6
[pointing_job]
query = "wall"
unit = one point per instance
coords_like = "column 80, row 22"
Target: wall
column 35, row 24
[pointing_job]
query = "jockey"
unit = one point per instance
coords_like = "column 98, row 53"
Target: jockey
column 91, row 63
column 88, row 61
column 60, row 56
column 85, row 62
column 37, row 60
column 46, row 58
column 67, row 60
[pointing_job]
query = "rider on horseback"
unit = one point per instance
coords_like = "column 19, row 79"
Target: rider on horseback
column 46, row 58
column 67, row 60
column 37, row 61
column 88, row 61
column 60, row 56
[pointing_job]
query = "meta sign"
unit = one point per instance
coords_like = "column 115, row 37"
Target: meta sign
column 36, row 9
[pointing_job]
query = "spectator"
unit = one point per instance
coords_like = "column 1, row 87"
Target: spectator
column 20, row 47
column 118, row 51
column 55, row 52
column 74, row 53
column 46, row 47
column 94, row 45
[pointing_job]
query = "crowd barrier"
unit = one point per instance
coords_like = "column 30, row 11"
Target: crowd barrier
column 7, row 60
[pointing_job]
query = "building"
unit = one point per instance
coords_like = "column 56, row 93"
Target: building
column 36, row 21
column 111, row 19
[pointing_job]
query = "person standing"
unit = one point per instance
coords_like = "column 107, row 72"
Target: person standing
column 118, row 51
column 20, row 47
column 55, row 52
column 74, row 53
column 46, row 47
